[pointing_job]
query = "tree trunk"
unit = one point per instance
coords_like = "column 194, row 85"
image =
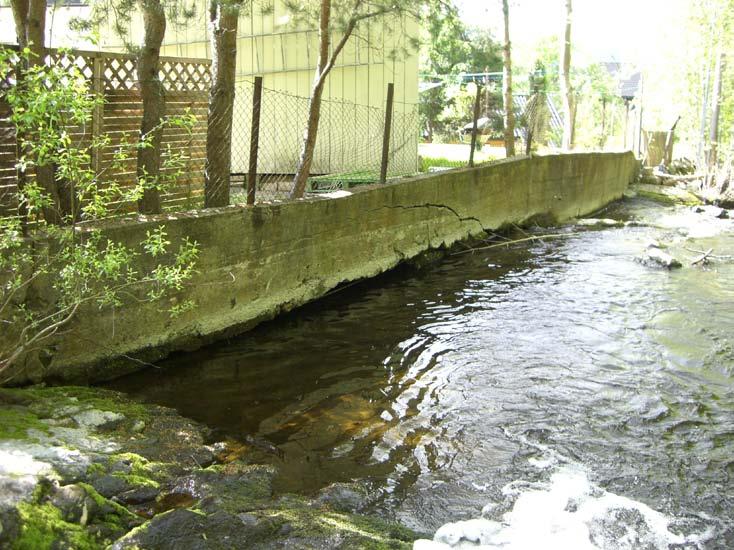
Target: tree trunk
column 715, row 113
column 20, row 16
column 223, row 20
column 153, row 96
column 507, row 87
column 30, row 29
column 603, row 136
column 705, row 84
column 314, row 105
column 566, row 89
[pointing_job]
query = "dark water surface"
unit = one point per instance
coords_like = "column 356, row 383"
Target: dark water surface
column 554, row 380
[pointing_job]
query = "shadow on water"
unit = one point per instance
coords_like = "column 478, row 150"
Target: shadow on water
column 442, row 386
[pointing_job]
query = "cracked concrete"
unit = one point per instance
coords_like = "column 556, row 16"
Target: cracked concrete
column 257, row 262
column 447, row 207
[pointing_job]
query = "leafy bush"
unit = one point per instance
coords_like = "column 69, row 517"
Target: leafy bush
column 49, row 245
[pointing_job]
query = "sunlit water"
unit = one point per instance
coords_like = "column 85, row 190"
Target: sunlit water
column 561, row 386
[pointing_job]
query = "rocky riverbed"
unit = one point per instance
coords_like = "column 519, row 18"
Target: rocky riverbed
column 88, row 468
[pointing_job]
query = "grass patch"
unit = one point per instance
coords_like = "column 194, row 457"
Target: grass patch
column 344, row 180
column 441, row 162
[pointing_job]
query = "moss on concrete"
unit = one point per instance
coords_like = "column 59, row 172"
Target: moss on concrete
column 272, row 258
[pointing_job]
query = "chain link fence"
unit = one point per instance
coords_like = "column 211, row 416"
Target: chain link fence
column 348, row 148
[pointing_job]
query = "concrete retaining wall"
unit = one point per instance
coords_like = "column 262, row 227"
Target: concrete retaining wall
column 258, row 262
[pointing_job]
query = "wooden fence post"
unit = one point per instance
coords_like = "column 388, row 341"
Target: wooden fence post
column 98, row 112
column 386, row 135
column 254, row 139
column 477, row 101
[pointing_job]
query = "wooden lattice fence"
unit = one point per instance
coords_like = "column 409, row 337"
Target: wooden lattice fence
column 113, row 76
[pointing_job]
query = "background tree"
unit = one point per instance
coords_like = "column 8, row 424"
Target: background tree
column 445, row 54
column 156, row 15
column 566, row 88
column 507, row 86
column 30, row 30
column 594, row 111
column 449, row 49
column 714, row 132
column 340, row 18
column 223, row 21
column 485, row 53
column 154, row 103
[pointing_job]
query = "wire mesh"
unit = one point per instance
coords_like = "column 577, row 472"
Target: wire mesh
column 348, row 148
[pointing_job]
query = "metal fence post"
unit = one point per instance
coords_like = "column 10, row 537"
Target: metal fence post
column 254, row 139
column 477, row 101
column 386, row 135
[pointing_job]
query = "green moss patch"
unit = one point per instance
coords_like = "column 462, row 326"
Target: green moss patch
column 48, row 401
column 118, row 515
column 15, row 423
column 362, row 531
column 666, row 195
column 42, row 527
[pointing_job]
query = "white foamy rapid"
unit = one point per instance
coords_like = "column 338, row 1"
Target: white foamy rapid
column 566, row 512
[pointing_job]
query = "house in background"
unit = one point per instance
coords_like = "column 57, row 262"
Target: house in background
column 59, row 15
column 628, row 80
column 285, row 55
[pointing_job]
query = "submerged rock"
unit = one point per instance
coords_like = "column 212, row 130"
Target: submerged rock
column 138, row 495
column 653, row 243
column 184, row 529
column 343, row 497
column 713, row 211
column 654, row 257
column 599, row 222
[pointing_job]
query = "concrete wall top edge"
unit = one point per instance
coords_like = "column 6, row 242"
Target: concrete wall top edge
column 240, row 210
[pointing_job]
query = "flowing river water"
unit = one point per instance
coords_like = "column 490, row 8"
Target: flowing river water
column 558, row 387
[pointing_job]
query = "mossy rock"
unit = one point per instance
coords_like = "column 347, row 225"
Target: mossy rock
column 666, row 195
column 42, row 525
column 225, row 506
column 16, row 423
column 294, row 525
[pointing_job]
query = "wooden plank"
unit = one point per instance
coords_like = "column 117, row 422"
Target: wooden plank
column 171, row 95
